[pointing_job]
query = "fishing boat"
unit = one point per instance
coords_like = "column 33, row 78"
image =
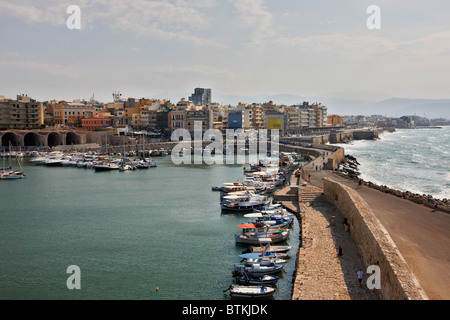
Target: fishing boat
column 271, row 219
column 260, row 255
column 265, row 246
column 257, row 228
column 258, row 268
column 250, row 291
column 246, row 279
column 265, row 259
column 245, row 202
column 254, row 238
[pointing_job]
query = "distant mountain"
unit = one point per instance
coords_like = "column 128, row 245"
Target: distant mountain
column 288, row 99
column 429, row 108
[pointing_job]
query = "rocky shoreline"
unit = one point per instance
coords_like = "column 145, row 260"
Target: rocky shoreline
column 349, row 169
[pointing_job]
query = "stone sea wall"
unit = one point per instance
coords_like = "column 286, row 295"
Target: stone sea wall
column 374, row 243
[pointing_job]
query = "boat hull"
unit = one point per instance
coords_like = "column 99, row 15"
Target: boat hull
column 248, row 208
column 275, row 249
column 257, row 280
column 105, row 168
column 256, row 240
column 251, row 292
column 258, row 269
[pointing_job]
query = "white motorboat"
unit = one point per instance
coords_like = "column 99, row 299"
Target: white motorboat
column 106, row 166
column 265, row 246
column 242, row 202
column 243, row 291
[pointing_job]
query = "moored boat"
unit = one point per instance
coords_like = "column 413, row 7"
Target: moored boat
column 250, row 291
column 260, row 255
column 106, row 167
column 11, row 175
column 245, row 202
column 246, row 279
column 258, row 268
column 254, row 238
column 265, row 246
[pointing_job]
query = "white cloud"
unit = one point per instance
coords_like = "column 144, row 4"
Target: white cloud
column 153, row 19
column 29, row 12
column 363, row 48
column 44, row 68
column 255, row 15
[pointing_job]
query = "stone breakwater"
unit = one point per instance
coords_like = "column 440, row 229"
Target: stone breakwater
column 349, row 169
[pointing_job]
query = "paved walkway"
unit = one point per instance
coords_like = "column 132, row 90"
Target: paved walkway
column 421, row 234
column 321, row 273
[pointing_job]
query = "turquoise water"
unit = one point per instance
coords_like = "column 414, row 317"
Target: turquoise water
column 415, row 160
column 128, row 232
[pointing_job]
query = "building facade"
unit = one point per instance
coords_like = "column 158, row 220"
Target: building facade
column 23, row 112
column 201, row 96
column 92, row 124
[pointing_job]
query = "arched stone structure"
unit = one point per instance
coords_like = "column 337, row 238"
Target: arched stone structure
column 55, row 139
column 72, row 138
column 11, row 138
column 32, row 139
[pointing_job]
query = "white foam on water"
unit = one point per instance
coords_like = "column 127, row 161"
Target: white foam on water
column 409, row 160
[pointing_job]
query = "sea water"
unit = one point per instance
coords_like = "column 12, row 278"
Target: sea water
column 415, row 160
column 155, row 234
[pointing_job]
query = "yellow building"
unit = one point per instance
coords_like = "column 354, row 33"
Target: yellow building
column 334, row 121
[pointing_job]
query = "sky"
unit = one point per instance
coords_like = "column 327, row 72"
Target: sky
column 156, row 48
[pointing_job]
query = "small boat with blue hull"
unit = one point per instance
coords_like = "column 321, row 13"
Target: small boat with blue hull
column 254, row 237
column 258, row 268
column 265, row 246
column 246, row 279
column 260, row 255
column 248, row 201
column 241, row 291
column 266, row 259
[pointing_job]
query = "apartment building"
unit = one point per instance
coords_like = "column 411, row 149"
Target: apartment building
column 64, row 112
column 23, row 112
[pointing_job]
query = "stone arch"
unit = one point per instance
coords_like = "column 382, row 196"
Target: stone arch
column 10, row 138
column 54, row 139
column 72, row 138
column 31, row 139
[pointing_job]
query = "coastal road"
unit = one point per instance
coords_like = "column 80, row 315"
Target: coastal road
column 421, row 234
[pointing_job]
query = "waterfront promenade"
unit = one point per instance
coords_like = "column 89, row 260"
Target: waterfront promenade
column 420, row 234
column 321, row 273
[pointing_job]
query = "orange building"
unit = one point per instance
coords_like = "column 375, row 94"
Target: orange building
column 91, row 124
column 334, row 121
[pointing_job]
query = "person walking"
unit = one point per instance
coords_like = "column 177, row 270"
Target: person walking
column 360, row 274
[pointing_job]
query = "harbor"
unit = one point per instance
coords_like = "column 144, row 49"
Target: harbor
column 130, row 233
